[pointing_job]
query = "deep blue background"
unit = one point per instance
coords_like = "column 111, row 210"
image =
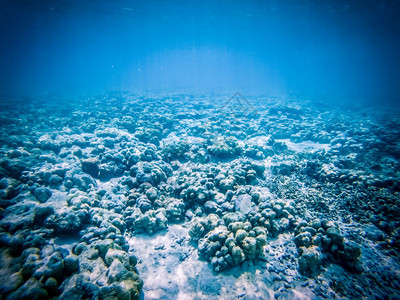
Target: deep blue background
column 329, row 49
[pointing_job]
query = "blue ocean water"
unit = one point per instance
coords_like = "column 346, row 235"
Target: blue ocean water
column 199, row 149
column 309, row 48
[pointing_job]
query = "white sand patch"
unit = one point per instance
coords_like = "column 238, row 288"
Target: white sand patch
column 170, row 268
column 261, row 141
column 306, row 146
column 57, row 200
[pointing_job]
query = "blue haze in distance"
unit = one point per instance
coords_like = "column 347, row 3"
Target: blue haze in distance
column 332, row 49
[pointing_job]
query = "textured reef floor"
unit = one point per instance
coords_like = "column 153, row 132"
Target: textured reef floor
column 182, row 197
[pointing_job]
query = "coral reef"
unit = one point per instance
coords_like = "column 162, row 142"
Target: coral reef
column 295, row 193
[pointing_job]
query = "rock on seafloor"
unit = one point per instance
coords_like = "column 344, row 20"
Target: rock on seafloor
column 174, row 198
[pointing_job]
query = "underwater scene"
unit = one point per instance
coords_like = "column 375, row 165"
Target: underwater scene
column 199, row 149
